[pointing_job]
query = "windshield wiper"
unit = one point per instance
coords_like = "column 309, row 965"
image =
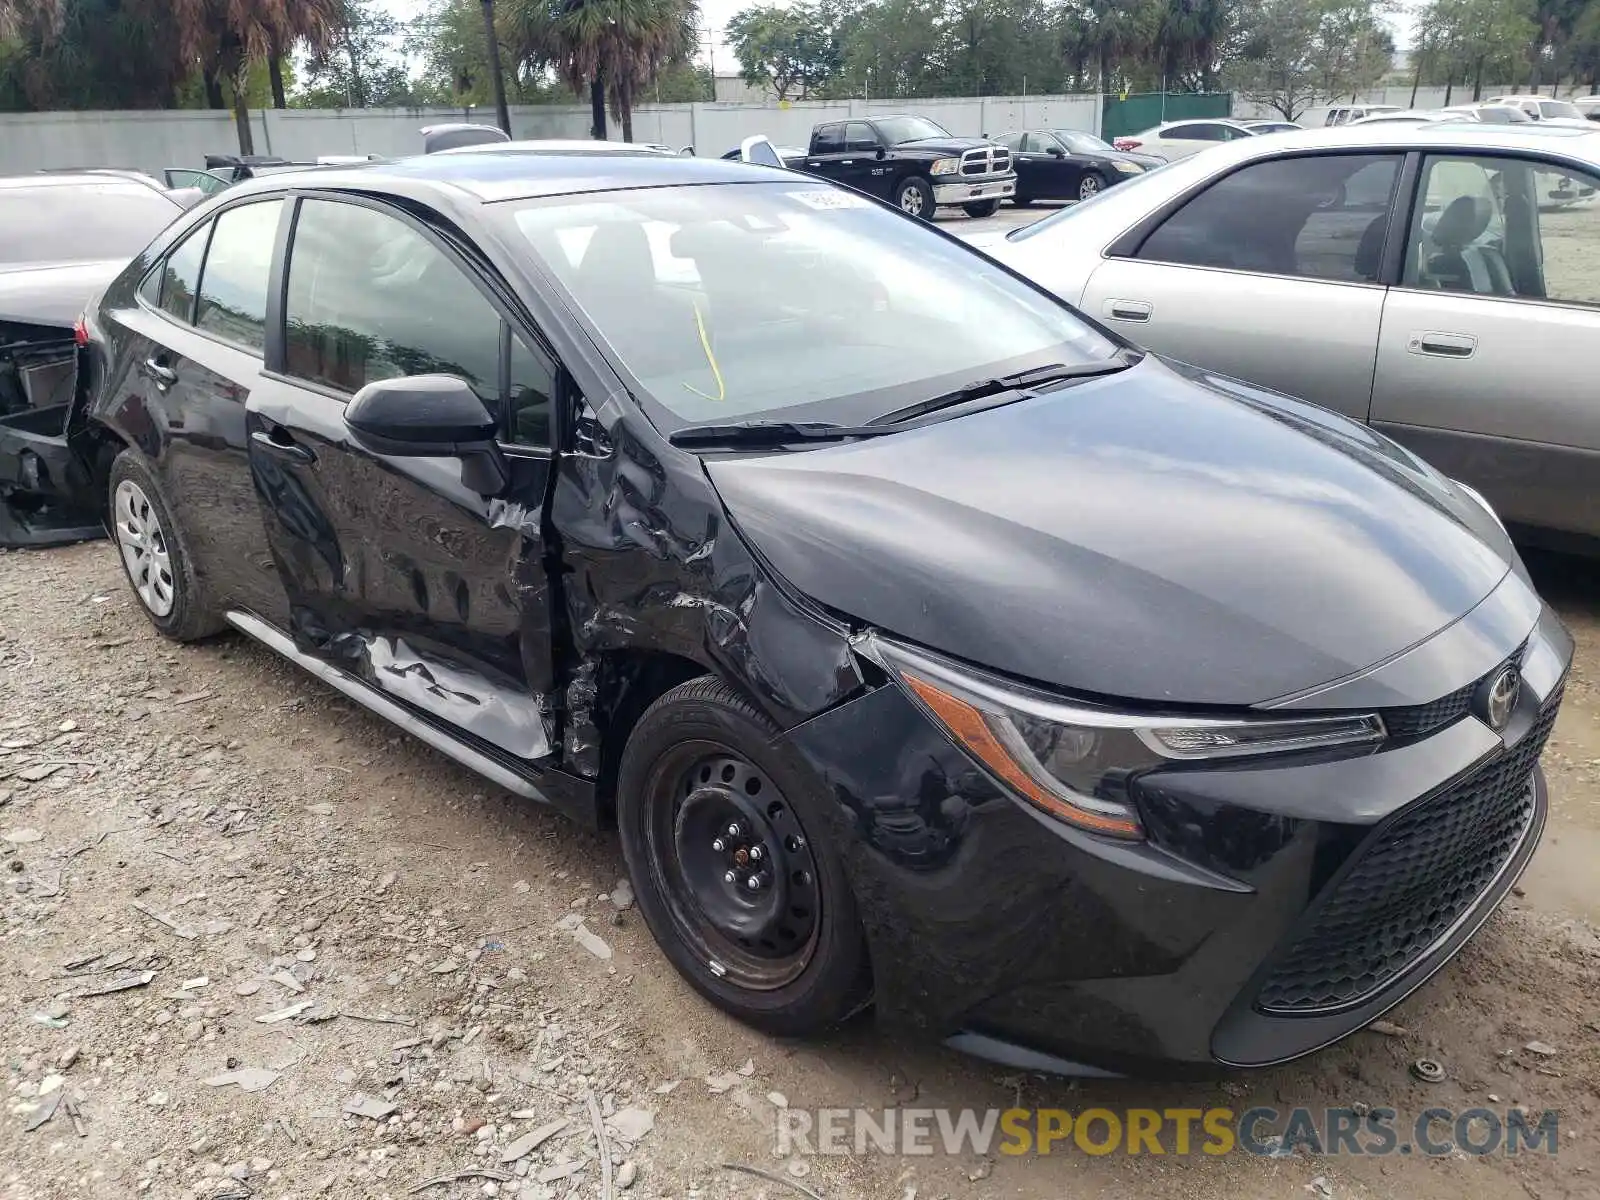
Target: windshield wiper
column 770, row 433
column 785, row 433
column 1019, row 382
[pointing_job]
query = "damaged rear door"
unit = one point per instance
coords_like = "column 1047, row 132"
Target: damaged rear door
column 398, row 570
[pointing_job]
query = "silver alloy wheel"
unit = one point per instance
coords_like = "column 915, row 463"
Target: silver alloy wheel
column 911, row 201
column 1089, row 186
column 144, row 548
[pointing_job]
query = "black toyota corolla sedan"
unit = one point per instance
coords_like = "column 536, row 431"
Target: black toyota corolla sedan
column 929, row 646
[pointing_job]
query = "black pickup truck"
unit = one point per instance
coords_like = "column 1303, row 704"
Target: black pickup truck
column 913, row 163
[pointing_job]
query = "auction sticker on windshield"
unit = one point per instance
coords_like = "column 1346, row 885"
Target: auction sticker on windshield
column 820, row 199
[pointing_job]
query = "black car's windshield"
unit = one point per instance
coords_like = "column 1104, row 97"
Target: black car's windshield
column 62, row 223
column 1082, row 143
column 792, row 300
column 896, row 130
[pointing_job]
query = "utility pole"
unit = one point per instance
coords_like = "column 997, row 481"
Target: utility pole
column 502, row 114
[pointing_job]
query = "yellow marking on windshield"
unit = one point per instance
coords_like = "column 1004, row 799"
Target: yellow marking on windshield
column 716, row 373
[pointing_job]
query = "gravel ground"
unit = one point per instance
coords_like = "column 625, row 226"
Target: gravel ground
column 332, row 963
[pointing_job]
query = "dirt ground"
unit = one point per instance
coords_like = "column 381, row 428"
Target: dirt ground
column 307, row 912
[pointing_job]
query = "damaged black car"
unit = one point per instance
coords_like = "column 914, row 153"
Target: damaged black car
column 63, row 237
column 931, row 648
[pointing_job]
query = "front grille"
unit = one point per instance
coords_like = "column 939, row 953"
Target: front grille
column 1424, row 718
column 987, row 160
column 1410, row 882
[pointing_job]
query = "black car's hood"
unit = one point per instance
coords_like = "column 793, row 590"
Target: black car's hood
column 944, row 145
column 1159, row 535
column 52, row 293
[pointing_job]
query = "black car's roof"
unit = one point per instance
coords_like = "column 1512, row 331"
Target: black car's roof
column 514, row 175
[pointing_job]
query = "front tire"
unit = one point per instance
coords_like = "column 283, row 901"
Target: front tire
column 154, row 558
column 1022, row 201
column 914, row 197
column 1091, row 185
column 723, row 830
column 982, row 208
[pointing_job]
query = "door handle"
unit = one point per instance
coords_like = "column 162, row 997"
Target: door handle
column 163, row 375
column 287, row 447
column 1128, row 310
column 1442, row 345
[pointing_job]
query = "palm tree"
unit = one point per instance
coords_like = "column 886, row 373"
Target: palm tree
column 226, row 36
column 610, row 47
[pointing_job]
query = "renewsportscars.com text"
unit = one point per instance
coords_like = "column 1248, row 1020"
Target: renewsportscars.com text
column 1361, row 1130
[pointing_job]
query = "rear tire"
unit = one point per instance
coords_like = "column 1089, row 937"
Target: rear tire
column 982, row 208
column 1022, row 201
column 914, row 197
column 154, row 558
column 707, row 801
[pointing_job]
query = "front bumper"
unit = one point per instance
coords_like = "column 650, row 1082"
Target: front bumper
column 1199, row 947
column 967, row 191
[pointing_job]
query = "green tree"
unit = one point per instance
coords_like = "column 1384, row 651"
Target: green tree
column 1299, row 53
column 359, row 67
column 1462, row 40
column 614, row 48
column 790, row 51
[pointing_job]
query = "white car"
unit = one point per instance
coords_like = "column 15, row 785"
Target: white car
column 561, row 146
column 1438, row 281
column 1348, row 114
column 1488, row 114
column 1409, row 116
column 1544, row 109
column 1179, row 139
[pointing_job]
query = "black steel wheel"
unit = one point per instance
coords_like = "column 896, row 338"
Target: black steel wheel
column 720, row 830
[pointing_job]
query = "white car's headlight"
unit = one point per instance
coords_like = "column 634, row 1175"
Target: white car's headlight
column 1127, row 168
column 945, row 166
column 1074, row 761
column 1477, row 497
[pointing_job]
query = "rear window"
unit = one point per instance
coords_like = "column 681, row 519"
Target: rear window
column 57, row 223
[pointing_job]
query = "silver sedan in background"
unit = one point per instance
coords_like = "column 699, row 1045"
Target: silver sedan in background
column 1439, row 281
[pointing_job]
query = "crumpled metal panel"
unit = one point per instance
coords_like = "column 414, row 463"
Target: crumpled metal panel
column 469, row 700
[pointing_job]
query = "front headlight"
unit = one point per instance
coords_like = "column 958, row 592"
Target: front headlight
column 945, row 166
column 1127, row 168
column 1075, row 762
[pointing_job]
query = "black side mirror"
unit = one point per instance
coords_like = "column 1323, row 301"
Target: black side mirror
column 1056, row 152
column 882, row 153
column 430, row 416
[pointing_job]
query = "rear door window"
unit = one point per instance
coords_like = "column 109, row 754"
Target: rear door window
column 233, row 286
column 172, row 286
column 1315, row 217
column 829, row 139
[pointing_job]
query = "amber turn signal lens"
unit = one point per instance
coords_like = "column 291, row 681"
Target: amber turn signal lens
column 972, row 731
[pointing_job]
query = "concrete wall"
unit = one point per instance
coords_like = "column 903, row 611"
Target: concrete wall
column 152, row 140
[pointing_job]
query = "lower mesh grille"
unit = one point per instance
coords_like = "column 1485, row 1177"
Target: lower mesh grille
column 1410, row 882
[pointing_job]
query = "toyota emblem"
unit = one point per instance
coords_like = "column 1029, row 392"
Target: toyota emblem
column 1500, row 698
